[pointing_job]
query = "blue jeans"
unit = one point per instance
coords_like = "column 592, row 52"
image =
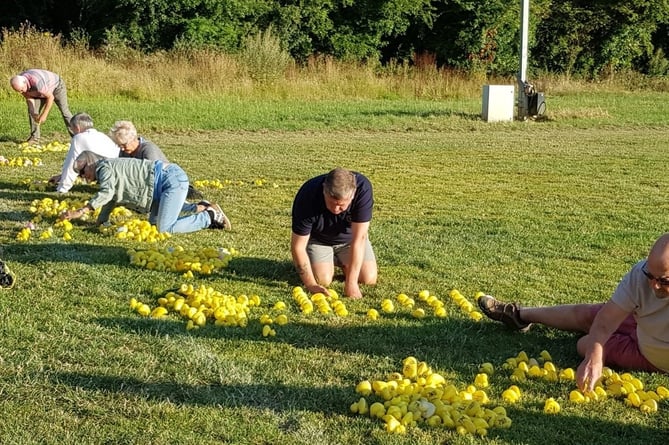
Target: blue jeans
column 167, row 208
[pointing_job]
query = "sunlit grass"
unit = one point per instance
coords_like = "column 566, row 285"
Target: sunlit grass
column 546, row 211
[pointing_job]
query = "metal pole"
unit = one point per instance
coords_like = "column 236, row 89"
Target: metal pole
column 523, row 111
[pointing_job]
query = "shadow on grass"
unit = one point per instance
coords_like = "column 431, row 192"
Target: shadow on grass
column 252, row 269
column 453, row 344
column 66, row 252
column 7, row 138
column 49, row 192
column 261, row 396
column 535, row 427
column 422, row 113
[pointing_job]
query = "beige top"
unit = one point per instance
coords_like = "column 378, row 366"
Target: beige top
column 635, row 295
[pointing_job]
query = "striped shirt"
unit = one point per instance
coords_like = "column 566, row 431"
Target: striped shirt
column 41, row 81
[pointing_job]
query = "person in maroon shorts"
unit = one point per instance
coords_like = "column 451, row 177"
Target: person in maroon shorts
column 630, row 331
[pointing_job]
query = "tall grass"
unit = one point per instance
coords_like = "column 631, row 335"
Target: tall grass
column 261, row 70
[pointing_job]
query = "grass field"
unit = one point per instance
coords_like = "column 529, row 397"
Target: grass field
column 542, row 212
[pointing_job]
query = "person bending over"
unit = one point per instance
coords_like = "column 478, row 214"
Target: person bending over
column 41, row 89
column 132, row 145
column 86, row 138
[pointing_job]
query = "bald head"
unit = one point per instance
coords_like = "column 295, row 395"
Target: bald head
column 658, row 257
column 19, row 83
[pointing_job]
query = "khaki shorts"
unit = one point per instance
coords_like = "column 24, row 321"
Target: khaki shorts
column 339, row 254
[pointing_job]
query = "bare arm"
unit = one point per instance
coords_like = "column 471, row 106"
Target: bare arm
column 358, row 241
column 605, row 323
column 76, row 214
column 47, row 107
column 298, row 249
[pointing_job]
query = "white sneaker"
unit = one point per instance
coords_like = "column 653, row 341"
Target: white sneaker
column 218, row 218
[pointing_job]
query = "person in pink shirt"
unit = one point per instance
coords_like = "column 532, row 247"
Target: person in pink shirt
column 41, row 88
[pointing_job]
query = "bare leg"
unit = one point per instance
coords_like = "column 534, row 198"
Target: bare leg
column 568, row 317
column 368, row 273
column 323, row 273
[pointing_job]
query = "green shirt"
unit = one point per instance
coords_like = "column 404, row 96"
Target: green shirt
column 124, row 182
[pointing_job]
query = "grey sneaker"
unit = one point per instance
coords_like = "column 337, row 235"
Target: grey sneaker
column 218, row 218
column 507, row 313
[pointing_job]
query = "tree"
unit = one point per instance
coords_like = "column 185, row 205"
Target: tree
column 591, row 37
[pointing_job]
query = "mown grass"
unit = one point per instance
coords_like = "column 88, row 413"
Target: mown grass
column 548, row 211
column 544, row 212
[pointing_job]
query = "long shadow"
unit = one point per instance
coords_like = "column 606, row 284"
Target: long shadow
column 251, row 269
column 454, row 344
column 562, row 429
column 423, row 114
column 50, row 191
column 66, row 252
column 7, row 138
column 261, row 396
column 12, row 186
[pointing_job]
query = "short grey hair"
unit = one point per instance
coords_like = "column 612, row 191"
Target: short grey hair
column 123, row 132
column 82, row 121
column 85, row 159
column 339, row 183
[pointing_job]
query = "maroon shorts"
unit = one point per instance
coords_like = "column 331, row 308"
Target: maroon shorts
column 622, row 348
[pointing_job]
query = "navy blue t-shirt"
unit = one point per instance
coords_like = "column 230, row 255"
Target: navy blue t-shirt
column 311, row 217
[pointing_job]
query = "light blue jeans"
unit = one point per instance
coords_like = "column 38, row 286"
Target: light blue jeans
column 167, row 208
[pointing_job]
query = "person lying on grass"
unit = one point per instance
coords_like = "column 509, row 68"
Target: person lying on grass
column 330, row 223
column 153, row 187
column 629, row 331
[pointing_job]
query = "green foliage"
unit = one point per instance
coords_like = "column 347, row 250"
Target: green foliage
column 658, row 64
column 572, row 37
column 201, row 32
column 118, row 49
column 601, row 37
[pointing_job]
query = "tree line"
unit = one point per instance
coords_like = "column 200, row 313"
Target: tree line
column 578, row 37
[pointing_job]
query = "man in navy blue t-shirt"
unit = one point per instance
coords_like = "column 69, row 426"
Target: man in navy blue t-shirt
column 331, row 216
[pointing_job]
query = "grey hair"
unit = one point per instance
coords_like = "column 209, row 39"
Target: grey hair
column 85, row 159
column 123, row 132
column 339, row 183
column 82, row 121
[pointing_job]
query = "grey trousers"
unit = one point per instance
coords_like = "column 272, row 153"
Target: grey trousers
column 60, row 98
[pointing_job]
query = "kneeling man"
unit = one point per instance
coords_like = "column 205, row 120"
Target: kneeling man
column 330, row 225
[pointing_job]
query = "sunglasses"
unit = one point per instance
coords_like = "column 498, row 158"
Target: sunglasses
column 663, row 281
